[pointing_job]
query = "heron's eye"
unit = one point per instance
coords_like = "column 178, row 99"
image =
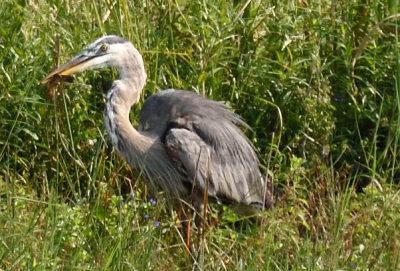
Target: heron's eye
column 103, row 47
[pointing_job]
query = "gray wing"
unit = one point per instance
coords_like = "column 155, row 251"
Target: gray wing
column 201, row 137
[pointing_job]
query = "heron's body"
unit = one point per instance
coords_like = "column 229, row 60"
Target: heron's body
column 185, row 144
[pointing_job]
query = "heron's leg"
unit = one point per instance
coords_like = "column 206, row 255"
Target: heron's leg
column 199, row 209
column 188, row 213
column 183, row 213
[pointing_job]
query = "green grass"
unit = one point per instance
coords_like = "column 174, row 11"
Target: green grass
column 318, row 81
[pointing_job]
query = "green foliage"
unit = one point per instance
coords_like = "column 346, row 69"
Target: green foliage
column 318, row 82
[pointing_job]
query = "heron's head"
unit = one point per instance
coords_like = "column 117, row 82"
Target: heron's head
column 105, row 51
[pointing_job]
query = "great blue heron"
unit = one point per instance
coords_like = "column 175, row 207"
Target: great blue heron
column 186, row 145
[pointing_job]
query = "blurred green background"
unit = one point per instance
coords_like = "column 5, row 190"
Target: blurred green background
column 318, row 82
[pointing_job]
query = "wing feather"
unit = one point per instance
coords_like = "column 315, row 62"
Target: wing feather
column 203, row 137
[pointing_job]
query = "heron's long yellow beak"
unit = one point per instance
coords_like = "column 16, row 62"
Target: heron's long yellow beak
column 71, row 67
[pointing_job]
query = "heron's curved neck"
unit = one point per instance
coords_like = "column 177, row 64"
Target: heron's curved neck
column 116, row 114
column 123, row 94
